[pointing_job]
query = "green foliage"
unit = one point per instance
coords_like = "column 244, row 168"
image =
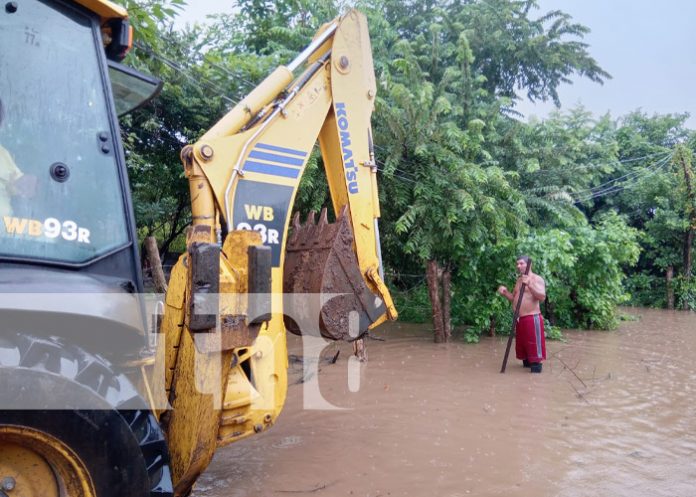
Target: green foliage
column 453, row 173
column 598, row 203
column 647, row 290
column 413, row 303
column 512, row 46
column 313, row 192
column 558, row 161
column 433, row 116
column 654, row 199
column 154, row 135
column 552, row 332
column 583, row 269
column 685, row 293
column 148, row 16
column 477, row 279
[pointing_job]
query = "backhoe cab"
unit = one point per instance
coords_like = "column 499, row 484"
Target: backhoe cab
column 86, row 411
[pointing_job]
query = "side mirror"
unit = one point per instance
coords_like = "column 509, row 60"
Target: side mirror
column 131, row 88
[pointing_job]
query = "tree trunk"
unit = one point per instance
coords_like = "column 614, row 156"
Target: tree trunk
column 688, row 248
column 446, row 304
column 491, row 327
column 670, row 288
column 432, row 276
column 578, row 310
column 155, row 264
column 174, row 231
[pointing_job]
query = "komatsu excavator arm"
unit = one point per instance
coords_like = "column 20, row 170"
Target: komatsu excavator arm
column 225, row 316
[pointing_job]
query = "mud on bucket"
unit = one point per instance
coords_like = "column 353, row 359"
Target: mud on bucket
column 320, row 260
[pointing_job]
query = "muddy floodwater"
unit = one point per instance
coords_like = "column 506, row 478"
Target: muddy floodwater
column 613, row 414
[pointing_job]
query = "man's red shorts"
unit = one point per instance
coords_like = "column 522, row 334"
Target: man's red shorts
column 530, row 342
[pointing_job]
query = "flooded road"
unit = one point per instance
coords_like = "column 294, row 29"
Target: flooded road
column 612, row 414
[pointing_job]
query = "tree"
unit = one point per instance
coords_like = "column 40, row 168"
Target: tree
column 648, row 189
column 687, row 193
column 154, row 135
column 447, row 73
column 198, row 89
column 463, row 184
column 559, row 162
column 513, row 49
column 447, row 199
column 584, row 269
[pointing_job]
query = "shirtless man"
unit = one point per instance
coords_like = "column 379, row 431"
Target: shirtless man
column 530, row 343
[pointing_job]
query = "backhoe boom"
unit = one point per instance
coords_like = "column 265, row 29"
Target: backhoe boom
column 243, row 176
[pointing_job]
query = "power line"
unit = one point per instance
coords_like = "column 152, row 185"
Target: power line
column 401, row 161
column 229, row 73
column 624, row 161
column 208, row 61
column 628, row 175
column 598, row 165
column 634, row 178
column 627, row 184
column 660, row 156
column 405, row 175
column 178, row 144
column 161, row 137
column 409, row 176
column 177, row 67
column 402, row 178
column 619, row 187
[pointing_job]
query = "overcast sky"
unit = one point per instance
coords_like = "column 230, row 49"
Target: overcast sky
column 648, row 46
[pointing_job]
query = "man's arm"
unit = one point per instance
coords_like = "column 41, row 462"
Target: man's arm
column 9, row 172
column 14, row 180
column 536, row 285
column 505, row 293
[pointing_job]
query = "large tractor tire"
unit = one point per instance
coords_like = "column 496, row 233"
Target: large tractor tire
column 68, row 427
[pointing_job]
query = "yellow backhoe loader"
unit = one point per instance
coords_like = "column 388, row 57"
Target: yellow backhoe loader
column 95, row 399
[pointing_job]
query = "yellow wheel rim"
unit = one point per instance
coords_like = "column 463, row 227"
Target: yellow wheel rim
column 36, row 464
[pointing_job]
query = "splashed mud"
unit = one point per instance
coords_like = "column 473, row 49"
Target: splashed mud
column 612, row 414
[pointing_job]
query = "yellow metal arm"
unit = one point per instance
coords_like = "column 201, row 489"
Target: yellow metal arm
column 333, row 101
column 243, row 176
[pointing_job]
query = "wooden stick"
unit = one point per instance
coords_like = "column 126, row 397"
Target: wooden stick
column 153, row 257
column 315, row 489
column 571, row 370
column 514, row 318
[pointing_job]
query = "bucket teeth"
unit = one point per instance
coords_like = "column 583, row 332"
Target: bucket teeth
column 311, row 218
column 296, row 221
column 320, row 259
column 296, row 226
column 314, row 233
column 311, row 228
column 323, row 217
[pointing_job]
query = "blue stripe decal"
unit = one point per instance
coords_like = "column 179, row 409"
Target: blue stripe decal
column 260, row 167
column 292, row 161
column 281, row 149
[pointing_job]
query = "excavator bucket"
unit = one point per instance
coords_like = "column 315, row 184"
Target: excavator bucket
column 320, row 262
